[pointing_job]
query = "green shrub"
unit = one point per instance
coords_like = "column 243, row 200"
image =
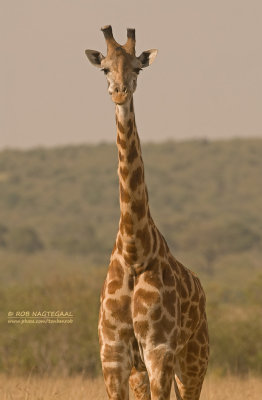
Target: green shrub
column 25, row 240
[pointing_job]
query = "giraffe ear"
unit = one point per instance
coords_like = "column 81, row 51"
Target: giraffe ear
column 95, row 57
column 147, row 57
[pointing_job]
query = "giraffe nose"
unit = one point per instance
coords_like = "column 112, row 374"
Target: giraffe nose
column 121, row 89
column 119, row 96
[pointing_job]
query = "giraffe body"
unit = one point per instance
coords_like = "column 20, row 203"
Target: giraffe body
column 152, row 322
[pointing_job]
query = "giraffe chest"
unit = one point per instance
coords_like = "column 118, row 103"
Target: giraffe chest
column 159, row 306
column 141, row 307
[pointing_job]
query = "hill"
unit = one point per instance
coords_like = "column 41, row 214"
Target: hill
column 59, row 215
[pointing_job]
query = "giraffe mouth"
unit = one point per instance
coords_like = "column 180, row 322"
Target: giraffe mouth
column 120, row 97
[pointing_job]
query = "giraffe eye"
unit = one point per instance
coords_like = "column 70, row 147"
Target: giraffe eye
column 137, row 70
column 105, row 70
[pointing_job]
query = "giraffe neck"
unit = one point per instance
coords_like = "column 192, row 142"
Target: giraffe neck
column 133, row 239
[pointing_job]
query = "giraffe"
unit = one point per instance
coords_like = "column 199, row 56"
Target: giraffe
column 152, row 321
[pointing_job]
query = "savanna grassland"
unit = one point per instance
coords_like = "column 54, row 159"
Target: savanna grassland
column 59, row 216
column 32, row 388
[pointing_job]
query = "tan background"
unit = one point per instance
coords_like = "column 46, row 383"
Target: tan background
column 206, row 81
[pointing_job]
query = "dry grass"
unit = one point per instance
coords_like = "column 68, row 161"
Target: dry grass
column 16, row 388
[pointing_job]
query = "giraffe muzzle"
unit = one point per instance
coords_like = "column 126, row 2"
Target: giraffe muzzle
column 120, row 97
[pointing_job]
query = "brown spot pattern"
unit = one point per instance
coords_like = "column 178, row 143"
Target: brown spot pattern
column 152, row 278
column 121, row 142
column 113, row 353
column 169, row 299
column 132, row 155
column 120, row 156
column 154, row 236
column 130, row 258
column 183, row 291
column 119, row 244
column 193, row 347
column 173, row 263
column 186, row 278
column 124, row 172
column 156, row 313
column 202, row 333
column 136, row 179
column 144, row 236
column 190, row 358
column 108, row 328
column 161, row 248
column 115, row 276
column 139, row 307
column 125, row 334
column 131, row 248
column 158, row 336
column 147, row 297
column 124, row 195
column 202, row 303
column 126, row 224
column 139, row 208
column 174, row 339
column 195, row 297
column 120, row 127
column 141, row 328
column 130, row 255
column 203, row 352
column 167, row 275
column 131, row 283
column 120, row 309
column 130, row 128
column 164, row 324
column 184, row 306
column 194, row 314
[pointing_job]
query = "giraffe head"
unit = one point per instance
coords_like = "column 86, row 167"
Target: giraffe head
column 120, row 65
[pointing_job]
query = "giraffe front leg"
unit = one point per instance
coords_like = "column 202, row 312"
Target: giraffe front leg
column 159, row 363
column 139, row 383
column 116, row 370
column 191, row 364
column 116, row 332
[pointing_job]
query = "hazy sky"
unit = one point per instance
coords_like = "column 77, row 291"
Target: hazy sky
column 205, row 82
